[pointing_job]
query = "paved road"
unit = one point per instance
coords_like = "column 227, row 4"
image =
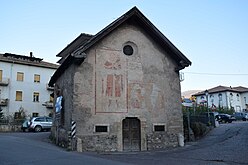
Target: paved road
column 35, row 149
column 227, row 144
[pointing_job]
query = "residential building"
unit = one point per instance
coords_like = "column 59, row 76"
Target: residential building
column 24, row 85
column 122, row 88
column 224, row 97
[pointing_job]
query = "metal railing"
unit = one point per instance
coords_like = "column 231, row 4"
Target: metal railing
column 4, row 81
column 4, row 102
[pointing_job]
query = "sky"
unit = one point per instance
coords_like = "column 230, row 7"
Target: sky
column 212, row 34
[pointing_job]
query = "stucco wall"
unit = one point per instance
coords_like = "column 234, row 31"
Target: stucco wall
column 110, row 86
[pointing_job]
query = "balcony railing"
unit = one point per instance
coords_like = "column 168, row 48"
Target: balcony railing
column 3, row 102
column 4, row 82
column 48, row 104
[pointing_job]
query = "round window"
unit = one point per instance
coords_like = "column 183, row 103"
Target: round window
column 128, row 50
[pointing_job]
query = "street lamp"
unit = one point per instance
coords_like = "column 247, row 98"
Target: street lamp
column 206, row 94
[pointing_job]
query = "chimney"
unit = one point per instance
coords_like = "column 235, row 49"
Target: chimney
column 31, row 54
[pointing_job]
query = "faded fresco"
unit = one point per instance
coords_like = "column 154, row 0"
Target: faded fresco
column 119, row 85
column 111, row 81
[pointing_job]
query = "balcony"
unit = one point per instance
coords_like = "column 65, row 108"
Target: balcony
column 48, row 104
column 4, row 82
column 3, row 102
column 49, row 88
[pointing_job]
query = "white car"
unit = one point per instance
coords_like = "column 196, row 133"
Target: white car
column 40, row 123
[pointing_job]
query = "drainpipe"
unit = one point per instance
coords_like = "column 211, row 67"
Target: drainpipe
column 9, row 92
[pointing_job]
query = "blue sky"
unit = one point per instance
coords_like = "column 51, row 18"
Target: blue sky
column 212, row 34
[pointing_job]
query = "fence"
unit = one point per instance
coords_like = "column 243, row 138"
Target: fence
column 11, row 122
column 196, row 125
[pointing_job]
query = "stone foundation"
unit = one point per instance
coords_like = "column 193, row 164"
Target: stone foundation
column 161, row 140
column 99, row 143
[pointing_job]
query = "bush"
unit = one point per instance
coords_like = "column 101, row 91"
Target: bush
column 198, row 128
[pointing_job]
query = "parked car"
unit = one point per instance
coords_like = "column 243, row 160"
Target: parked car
column 241, row 116
column 39, row 124
column 225, row 118
column 25, row 125
column 245, row 117
column 187, row 102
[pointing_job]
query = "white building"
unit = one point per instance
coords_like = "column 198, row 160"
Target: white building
column 23, row 85
column 227, row 97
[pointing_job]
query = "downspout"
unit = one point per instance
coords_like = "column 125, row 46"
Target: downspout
column 11, row 71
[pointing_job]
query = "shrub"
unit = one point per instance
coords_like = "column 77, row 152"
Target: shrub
column 198, row 128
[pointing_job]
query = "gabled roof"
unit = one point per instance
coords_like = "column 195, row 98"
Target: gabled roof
column 241, row 89
column 220, row 88
column 75, row 44
column 133, row 16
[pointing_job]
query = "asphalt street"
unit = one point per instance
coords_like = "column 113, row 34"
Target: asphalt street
column 227, row 144
column 35, row 149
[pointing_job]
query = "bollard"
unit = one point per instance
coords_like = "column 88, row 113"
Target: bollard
column 180, row 140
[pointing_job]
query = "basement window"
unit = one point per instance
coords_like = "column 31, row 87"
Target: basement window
column 101, row 128
column 159, row 128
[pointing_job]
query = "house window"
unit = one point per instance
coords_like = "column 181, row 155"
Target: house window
column 231, row 96
column 1, row 75
column 237, row 97
column 220, row 97
column 212, row 98
column 101, row 128
column 36, row 78
column 18, row 95
column 159, row 128
column 20, row 76
column 36, row 97
column 35, row 114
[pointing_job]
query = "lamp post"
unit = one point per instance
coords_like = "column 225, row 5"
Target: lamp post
column 206, row 94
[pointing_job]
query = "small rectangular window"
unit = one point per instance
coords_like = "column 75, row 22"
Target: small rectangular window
column 158, row 128
column 51, row 99
column 18, row 95
column 20, row 76
column 36, row 97
column 1, row 75
column 100, row 128
column 36, row 78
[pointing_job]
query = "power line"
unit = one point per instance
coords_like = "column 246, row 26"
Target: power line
column 217, row 74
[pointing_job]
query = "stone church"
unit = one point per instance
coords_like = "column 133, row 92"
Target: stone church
column 121, row 87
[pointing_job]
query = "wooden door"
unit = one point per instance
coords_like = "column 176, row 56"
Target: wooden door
column 131, row 134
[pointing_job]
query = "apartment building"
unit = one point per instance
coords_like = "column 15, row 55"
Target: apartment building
column 23, row 85
column 226, row 97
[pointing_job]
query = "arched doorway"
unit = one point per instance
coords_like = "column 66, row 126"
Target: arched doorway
column 131, row 134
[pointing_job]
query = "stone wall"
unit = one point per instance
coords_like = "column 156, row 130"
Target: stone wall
column 10, row 128
column 62, row 123
column 161, row 140
column 99, row 143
